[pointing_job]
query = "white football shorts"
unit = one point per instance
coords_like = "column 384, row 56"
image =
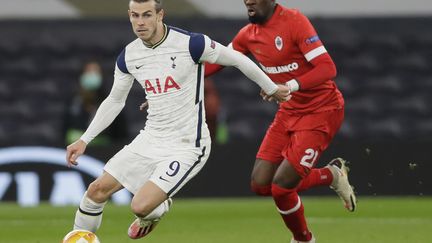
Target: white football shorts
column 169, row 167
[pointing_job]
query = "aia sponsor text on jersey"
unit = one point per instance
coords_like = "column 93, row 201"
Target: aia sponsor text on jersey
column 160, row 85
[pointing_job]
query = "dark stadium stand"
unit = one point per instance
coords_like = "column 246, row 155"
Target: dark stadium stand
column 384, row 72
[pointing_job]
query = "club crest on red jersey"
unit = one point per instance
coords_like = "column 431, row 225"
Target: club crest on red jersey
column 278, row 42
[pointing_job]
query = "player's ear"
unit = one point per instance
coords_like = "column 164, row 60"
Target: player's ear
column 129, row 15
column 160, row 15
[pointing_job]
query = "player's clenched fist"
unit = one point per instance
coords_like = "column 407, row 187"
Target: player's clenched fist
column 74, row 150
column 143, row 106
column 282, row 94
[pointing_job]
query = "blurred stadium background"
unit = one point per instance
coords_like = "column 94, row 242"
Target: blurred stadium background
column 383, row 51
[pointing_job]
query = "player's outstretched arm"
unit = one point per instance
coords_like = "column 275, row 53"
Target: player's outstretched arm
column 203, row 49
column 212, row 68
column 230, row 57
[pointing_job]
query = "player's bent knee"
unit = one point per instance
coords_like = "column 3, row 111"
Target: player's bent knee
column 288, row 179
column 140, row 209
column 289, row 183
column 260, row 190
column 97, row 192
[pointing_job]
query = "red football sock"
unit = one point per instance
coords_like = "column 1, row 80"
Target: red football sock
column 261, row 190
column 291, row 209
column 316, row 177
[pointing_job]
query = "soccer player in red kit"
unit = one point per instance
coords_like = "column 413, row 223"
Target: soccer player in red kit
column 289, row 50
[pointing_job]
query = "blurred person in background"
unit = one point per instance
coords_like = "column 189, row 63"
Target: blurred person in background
column 174, row 144
column 289, row 50
column 83, row 106
column 212, row 106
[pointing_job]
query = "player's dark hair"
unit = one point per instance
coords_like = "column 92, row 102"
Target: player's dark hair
column 158, row 3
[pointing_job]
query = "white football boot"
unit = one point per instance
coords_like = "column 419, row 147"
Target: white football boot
column 340, row 183
column 141, row 227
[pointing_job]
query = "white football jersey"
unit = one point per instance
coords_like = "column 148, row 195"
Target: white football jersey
column 172, row 75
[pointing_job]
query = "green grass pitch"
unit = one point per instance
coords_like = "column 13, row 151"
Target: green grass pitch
column 249, row 220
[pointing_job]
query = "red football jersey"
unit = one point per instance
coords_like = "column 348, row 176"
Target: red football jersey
column 288, row 47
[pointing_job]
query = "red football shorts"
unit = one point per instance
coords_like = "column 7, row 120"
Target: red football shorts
column 300, row 139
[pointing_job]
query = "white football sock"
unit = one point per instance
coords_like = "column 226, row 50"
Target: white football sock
column 89, row 214
column 159, row 211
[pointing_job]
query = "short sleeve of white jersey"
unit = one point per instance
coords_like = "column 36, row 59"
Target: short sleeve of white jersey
column 211, row 50
column 203, row 49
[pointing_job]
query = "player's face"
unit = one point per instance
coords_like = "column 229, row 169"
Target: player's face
column 145, row 20
column 259, row 11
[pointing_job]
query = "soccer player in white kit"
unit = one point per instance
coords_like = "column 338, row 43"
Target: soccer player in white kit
column 175, row 143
